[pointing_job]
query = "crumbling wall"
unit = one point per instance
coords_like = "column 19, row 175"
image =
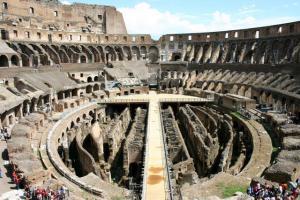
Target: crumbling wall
column 182, row 164
column 203, row 147
column 115, row 132
column 286, row 166
column 133, row 148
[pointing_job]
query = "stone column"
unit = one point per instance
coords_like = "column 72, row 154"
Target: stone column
column 20, row 111
column 1, row 123
column 34, row 106
column 27, row 109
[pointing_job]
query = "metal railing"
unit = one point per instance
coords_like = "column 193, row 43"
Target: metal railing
column 146, row 157
column 146, row 100
column 169, row 188
column 124, row 101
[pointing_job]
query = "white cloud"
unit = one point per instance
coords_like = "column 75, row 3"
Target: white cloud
column 144, row 19
column 66, row 2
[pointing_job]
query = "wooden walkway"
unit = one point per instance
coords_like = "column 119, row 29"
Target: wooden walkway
column 155, row 162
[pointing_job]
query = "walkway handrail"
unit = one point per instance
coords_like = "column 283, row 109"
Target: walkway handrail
column 166, row 156
column 146, row 158
column 196, row 99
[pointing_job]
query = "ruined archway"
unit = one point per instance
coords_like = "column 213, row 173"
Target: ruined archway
column 96, row 87
column 89, row 79
column 89, row 89
column 136, row 52
column 4, row 61
column 153, row 54
column 143, row 52
column 97, row 56
column 15, row 60
column 110, row 54
column 127, row 53
column 83, row 59
column 176, row 56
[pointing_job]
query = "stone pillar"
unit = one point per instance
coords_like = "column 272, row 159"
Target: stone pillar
column 42, row 102
column 66, row 155
column 34, row 106
column 55, row 98
column 20, row 111
column 1, row 123
column 27, row 109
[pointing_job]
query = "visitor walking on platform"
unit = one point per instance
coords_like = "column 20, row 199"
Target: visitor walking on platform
column 0, row 172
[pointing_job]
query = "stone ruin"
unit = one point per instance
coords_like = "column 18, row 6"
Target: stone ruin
column 63, row 67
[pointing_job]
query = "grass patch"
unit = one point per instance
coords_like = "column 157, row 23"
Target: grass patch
column 229, row 190
column 238, row 115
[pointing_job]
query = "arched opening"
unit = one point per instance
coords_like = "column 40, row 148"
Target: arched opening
column 110, row 54
column 72, row 124
column 96, row 78
column 65, row 105
column 3, row 61
column 15, row 60
column 127, row 53
column 136, row 52
column 153, row 54
column 33, row 105
column 74, row 92
column 89, row 79
column 92, row 115
column 91, row 147
column 176, row 57
column 96, row 87
column 10, row 120
column 106, row 151
column 60, row 151
column 143, row 52
column 89, row 89
column 119, row 52
column 74, row 162
column 82, row 59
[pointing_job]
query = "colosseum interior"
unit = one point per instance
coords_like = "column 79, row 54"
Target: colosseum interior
column 111, row 115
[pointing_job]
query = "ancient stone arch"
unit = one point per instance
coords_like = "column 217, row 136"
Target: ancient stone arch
column 4, row 61
column 136, row 52
column 153, row 54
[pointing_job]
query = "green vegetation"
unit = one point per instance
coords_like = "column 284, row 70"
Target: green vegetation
column 238, row 115
column 229, row 190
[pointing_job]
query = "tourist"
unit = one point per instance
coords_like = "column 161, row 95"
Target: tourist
column 0, row 172
column 298, row 181
column 267, row 192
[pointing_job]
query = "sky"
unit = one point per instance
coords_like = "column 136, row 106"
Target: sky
column 158, row 17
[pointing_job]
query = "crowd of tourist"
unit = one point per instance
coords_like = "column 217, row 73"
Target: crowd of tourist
column 286, row 191
column 38, row 193
column 17, row 177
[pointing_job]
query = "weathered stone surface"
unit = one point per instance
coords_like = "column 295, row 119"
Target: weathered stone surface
column 286, row 167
